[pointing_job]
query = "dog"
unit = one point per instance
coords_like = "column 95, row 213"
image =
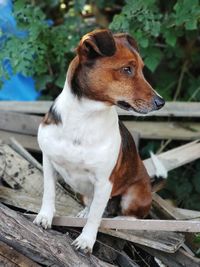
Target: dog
column 83, row 140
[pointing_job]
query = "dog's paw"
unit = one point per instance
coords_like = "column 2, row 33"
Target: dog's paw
column 84, row 243
column 83, row 213
column 43, row 220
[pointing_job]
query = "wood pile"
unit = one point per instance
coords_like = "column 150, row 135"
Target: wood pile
column 163, row 239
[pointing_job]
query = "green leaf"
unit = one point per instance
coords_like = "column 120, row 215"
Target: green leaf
column 144, row 42
column 153, row 58
column 191, row 25
column 170, row 37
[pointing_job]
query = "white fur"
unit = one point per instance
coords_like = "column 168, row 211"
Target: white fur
column 84, row 149
column 161, row 171
column 126, row 200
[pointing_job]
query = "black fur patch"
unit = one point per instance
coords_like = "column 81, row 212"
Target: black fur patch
column 52, row 117
column 55, row 115
column 75, row 84
column 105, row 42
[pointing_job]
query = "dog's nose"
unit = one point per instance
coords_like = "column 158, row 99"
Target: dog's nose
column 159, row 102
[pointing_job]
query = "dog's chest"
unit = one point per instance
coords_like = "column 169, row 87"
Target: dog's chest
column 80, row 151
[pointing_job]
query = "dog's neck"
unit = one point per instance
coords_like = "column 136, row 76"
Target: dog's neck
column 67, row 104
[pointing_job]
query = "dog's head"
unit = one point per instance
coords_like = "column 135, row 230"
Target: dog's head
column 108, row 68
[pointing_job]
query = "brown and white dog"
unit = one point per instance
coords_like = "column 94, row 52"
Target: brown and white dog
column 83, row 140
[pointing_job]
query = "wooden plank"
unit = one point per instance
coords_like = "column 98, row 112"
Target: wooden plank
column 174, row 109
column 29, row 203
column 50, row 248
column 165, row 130
column 18, row 173
column 4, row 262
column 178, row 259
column 164, row 241
column 19, row 123
column 165, row 208
column 27, row 141
column 31, row 107
column 24, row 153
column 28, row 124
column 188, row 214
column 131, row 223
column 176, row 157
column 14, row 257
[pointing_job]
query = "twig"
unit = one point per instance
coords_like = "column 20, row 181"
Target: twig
column 163, row 146
column 178, row 89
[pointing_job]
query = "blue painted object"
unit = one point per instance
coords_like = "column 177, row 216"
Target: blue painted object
column 19, row 87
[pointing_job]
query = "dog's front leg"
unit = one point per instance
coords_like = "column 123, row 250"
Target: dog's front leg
column 45, row 216
column 87, row 238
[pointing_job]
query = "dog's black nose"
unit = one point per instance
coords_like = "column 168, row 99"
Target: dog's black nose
column 159, row 102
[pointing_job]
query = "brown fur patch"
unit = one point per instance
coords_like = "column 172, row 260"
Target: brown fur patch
column 129, row 175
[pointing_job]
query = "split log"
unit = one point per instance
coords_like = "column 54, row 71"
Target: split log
column 45, row 247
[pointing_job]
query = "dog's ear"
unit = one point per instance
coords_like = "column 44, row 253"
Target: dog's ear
column 95, row 44
column 132, row 42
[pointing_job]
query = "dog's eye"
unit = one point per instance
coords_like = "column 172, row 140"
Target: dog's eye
column 127, row 70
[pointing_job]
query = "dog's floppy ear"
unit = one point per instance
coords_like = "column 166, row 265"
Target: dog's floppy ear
column 132, row 42
column 95, row 44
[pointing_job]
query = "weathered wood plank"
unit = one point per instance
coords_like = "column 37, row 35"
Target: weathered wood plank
column 6, row 263
column 30, row 107
column 18, row 173
column 175, row 109
column 176, row 157
column 165, row 130
column 168, row 242
column 14, row 257
column 178, row 259
column 19, row 123
column 131, row 223
column 46, row 247
column 28, row 125
column 29, row 203
column 27, row 141
column 24, row 153
column 166, row 209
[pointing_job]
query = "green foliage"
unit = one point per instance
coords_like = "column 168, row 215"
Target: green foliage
column 46, row 51
column 167, row 33
column 183, row 185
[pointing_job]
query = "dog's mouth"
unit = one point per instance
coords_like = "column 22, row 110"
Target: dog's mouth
column 125, row 105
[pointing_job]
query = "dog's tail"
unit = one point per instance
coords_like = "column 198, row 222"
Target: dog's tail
column 161, row 171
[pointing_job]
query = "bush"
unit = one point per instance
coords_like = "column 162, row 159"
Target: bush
column 167, row 33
